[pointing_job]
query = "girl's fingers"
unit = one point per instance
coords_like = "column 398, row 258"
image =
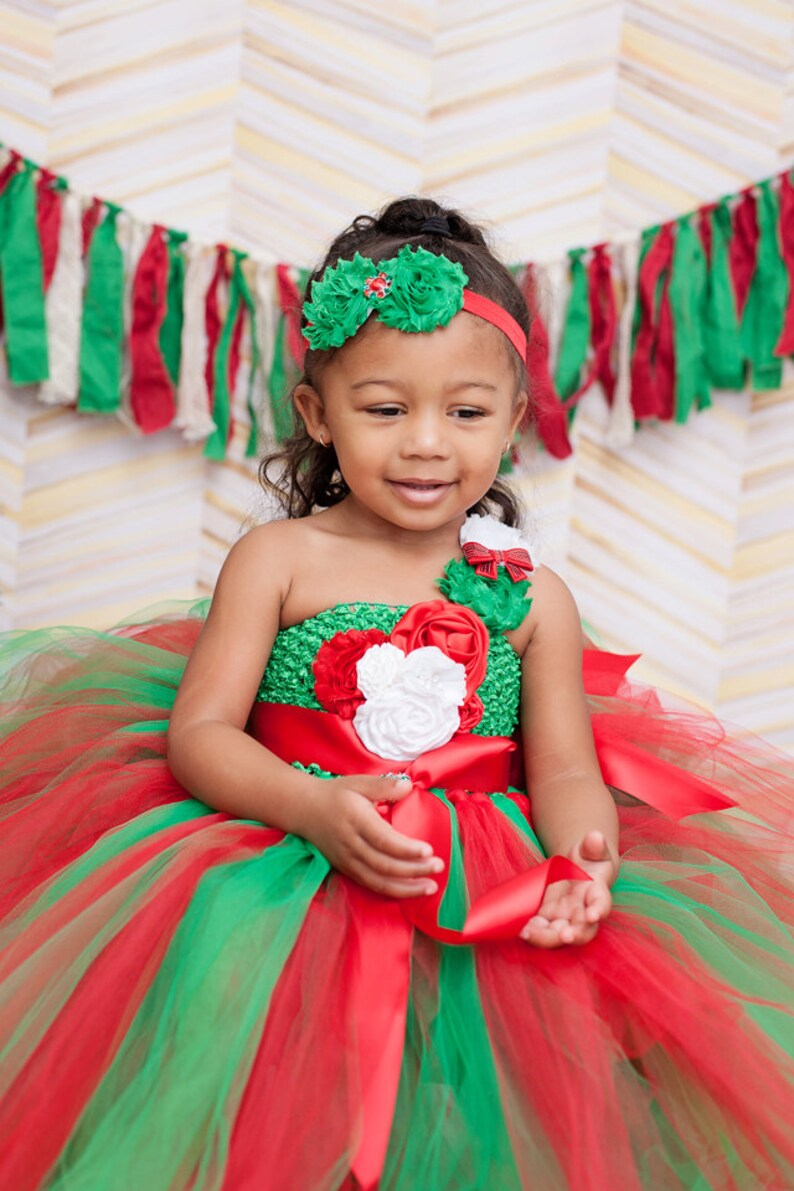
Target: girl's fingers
column 598, row 903
column 383, row 864
column 381, row 788
column 388, row 886
column 381, row 836
column 558, row 933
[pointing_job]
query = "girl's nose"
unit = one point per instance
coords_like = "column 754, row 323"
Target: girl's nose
column 425, row 438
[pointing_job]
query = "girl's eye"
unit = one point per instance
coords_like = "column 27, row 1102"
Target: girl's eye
column 468, row 414
column 385, row 411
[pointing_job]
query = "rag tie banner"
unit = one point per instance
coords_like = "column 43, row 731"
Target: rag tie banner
column 109, row 315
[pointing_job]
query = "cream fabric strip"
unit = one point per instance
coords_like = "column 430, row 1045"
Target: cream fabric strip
column 132, row 237
column 64, row 308
column 193, row 416
column 263, row 291
column 620, row 428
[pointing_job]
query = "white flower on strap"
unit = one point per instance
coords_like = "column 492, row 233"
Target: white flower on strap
column 412, row 701
column 489, row 544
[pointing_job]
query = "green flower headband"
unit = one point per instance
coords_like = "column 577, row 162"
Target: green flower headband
column 415, row 290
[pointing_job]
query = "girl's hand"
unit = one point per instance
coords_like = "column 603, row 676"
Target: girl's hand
column 353, row 836
column 572, row 910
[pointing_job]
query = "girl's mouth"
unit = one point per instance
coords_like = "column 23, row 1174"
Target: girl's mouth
column 419, row 491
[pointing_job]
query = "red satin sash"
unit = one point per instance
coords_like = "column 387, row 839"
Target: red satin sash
column 646, row 776
column 481, row 763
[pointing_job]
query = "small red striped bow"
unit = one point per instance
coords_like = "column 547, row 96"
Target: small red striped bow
column 485, row 561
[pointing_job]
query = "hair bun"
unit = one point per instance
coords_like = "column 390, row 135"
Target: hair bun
column 409, row 217
column 436, row 225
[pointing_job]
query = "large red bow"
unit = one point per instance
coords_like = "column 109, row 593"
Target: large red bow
column 485, row 561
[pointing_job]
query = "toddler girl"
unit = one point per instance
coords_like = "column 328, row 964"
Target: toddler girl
column 373, row 922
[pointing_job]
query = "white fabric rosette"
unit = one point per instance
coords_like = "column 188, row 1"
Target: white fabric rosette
column 412, row 701
column 488, row 531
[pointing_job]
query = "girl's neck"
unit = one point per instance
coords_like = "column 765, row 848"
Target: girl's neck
column 357, row 521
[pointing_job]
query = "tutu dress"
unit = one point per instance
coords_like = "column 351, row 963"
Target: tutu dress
column 192, row 1001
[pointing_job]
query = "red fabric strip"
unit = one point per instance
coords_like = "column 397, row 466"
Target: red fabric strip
column 290, row 302
column 544, row 407
column 743, row 248
column 495, row 314
column 9, row 169
column 90, row 221
column 785, row 345
column 212, row 321
column 151, row 389
column 652, row 377
column 48, row 222
column 665, row 352
column 603, row 318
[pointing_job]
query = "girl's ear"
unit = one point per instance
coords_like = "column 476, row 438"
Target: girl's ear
column 309, row 404
column 518, row 413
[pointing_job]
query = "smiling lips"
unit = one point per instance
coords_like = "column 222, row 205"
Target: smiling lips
column 420, row 492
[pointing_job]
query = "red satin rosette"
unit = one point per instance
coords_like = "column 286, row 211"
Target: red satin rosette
column 460, row 634
column 334, row 668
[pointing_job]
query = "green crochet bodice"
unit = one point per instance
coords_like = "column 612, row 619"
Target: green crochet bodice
column 289, row 678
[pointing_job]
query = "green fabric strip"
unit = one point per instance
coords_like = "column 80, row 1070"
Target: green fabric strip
column 252, row 446
column 283, row 374
column 171, row 329
column 688, row 300
column 722, row 344
column 22, row 278
column 576, row 330
column 216, row 444
column 102, row 332
column 279, row 384
column 767, row 299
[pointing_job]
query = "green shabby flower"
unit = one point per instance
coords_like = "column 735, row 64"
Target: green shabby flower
column 500, row 603
column 426, row 292
column 338, row 305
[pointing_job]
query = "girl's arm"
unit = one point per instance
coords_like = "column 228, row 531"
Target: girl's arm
column 213, row 757
column 572, row 810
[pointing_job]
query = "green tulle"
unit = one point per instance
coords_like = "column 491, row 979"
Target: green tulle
column 168, row 1102
column 163, row 1115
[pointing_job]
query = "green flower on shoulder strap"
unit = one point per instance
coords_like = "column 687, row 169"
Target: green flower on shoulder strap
column 491, row 577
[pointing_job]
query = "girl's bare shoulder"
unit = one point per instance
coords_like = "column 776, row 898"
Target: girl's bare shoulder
column 552, row 616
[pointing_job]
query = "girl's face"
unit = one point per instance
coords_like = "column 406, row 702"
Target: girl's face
column 419, row 421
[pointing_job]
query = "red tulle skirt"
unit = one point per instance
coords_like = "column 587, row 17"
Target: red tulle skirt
column 191, row 1001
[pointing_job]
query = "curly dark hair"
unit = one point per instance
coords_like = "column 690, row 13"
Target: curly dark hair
column 306, row 475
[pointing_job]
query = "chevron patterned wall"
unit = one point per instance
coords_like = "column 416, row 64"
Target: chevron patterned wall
column 556, row 122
